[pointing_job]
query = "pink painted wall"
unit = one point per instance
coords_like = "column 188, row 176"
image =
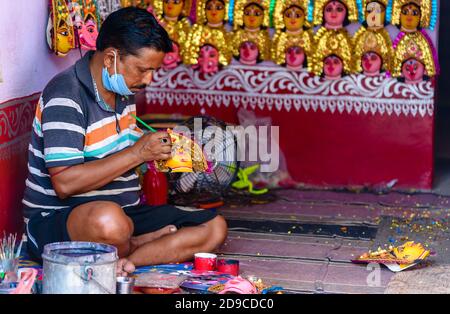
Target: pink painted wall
column 26, row 63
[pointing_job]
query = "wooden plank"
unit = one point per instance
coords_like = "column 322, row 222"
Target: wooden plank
column 313, row 248
column 312, row 276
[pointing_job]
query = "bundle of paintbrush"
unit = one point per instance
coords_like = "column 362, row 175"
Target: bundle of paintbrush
column 9, row 256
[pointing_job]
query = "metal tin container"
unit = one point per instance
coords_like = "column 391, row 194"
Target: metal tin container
column 79, row 268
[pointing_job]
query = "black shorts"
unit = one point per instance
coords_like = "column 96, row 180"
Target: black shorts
column 44, row 228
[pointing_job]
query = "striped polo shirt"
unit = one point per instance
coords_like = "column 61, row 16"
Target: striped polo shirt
column 72, row 126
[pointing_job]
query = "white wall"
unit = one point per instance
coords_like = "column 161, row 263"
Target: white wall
column 26, row 63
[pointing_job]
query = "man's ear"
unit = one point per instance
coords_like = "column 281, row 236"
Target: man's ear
column 108, row 57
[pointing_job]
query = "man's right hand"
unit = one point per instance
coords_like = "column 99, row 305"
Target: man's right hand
column 153, row 146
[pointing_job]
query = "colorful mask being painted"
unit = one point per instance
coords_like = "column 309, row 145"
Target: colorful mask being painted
column 250, row 20
column 208, row 61
column 208, row 37
column 293, row 41
column 172, row 59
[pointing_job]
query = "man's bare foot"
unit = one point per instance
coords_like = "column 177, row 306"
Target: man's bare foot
column 148, row 237
column 124, row 267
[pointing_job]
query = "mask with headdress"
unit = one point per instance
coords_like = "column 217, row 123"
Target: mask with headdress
column 333, row 43
column 209, row 36
column 251, row 41
column 60, row 31
column 414, row 46
column 428, row 10
column 320, row 5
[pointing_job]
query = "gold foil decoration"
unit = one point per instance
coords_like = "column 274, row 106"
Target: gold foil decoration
column 413, row 45
column 283, row 40
column 239, row 12
column 319, row 5
column 260, row 38
column 201, row 35
column 367, row 40
column 425, row 9
column 332, row 42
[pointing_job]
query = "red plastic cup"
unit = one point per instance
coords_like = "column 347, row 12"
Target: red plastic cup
column 205, row 261
column 228, row 266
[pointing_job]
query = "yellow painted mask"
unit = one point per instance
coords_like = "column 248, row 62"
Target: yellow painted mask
column 410, row 17
column 215, row 11
column 64, row 38
column 253, row 16
column 294, row 18
column 172, row 8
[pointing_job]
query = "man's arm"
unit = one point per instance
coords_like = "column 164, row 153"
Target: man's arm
column 82, row 178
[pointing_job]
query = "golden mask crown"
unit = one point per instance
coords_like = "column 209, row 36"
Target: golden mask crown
column 426, row 8
column 413, row 45
column 158, row 7
column 239, row 11
column 201, row 10
column 319, row 5
column 333, row 43
column 372, row 42
column 282, row 5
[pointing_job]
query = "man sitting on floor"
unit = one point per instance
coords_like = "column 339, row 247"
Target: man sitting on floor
column 85, row 146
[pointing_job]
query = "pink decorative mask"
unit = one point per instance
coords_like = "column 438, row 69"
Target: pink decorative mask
column 413, row 71
column 334, row 14
column 172, row 59
column 371, row 63
column 248, row 53
column 295, row 56
column 208, row 61
column 88, row 33
column 332, row 67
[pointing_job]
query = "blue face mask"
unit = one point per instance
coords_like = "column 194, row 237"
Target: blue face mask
column 116, row 82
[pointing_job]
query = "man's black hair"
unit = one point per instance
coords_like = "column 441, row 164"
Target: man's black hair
column 130, row 29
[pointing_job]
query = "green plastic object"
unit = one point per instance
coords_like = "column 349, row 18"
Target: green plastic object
column 243, row 181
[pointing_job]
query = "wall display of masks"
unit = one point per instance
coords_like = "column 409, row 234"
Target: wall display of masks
column 74, row 24
column 297, row 34
column 303, row 34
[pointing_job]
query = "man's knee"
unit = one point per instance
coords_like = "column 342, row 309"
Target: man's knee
column 109, row 224
column 218, row 232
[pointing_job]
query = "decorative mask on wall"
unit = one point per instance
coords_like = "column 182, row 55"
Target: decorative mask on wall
column 410, row 51
column 410, row 15
column 333, row 13
column 250, row 20
column 333, row 57
column 172, row 59
column 373, row 52
column 208, row 33
column 293, row 39
column 60, row 30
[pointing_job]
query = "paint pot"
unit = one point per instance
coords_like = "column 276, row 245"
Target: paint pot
column 79, row 268
column 124, row 285
column 228, row 266
column 205, row 261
